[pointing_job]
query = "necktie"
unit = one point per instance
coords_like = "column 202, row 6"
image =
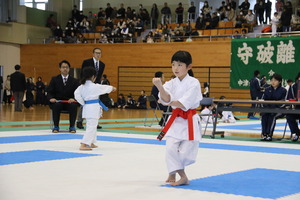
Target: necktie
column 97, row 67
column 65, row 81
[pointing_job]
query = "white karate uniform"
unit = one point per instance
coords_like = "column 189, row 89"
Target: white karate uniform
column 92, row 112
column 228, row 117
column 207, row 119
column 275, row 22
column 180, row 151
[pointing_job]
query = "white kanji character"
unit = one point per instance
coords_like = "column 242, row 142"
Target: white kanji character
column 244, row 53
column 265, row 54
column 285, row 52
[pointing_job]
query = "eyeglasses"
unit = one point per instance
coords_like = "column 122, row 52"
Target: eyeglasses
column 97, row 52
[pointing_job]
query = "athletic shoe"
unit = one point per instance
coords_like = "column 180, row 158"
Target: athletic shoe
column 295, row 138
column 264, row 138
column 55, row 129
column 99, row 127
column 72, row 129
column 252, row 117
column 269, row 138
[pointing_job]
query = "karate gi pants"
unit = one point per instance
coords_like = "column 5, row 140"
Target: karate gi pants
column 90, row 135
column 180, row 153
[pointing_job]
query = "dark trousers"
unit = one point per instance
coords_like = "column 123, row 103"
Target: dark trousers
column 268, row 123
column 252, row 106
column 58, row 107
column 18, row 96
column 291, row 120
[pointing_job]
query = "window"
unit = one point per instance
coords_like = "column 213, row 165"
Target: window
column 39, row 4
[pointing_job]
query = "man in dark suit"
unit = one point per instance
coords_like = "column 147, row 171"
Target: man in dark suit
column 255, row 91
column 18, row 86
column 99, row 66
column 62, row 87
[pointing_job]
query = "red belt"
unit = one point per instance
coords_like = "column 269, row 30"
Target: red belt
column 185, row 115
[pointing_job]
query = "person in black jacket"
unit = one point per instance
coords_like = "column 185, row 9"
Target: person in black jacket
column 18, row 86
column 273, row 93
column 62, row 87
column 255, row 91
column 99, row 66
column 294, row 93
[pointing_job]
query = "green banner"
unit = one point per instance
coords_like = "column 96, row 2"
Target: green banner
column 279, row 55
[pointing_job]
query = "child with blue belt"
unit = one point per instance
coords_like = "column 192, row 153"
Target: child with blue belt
column 87, row 95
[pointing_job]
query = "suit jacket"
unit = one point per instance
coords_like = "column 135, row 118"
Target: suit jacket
column 17, row 82
column 90, row 63
column 59, row 91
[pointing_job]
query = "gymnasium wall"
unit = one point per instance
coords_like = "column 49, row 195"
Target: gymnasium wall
column 42, row 60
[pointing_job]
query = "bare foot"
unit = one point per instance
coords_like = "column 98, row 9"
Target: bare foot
column 84, row 147
column 171, row 178
column 94, row 146
column 182, row 181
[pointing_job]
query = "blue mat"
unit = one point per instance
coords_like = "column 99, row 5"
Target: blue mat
column 264, row 183
column 18, row 157
column 51, row 137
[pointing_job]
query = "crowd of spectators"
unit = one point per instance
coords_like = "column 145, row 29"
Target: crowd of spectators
column 122, row 24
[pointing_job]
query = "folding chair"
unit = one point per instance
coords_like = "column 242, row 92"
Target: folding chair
column 150, row 99
column 207, row 101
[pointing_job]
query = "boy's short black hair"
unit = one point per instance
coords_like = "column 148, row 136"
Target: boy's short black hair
column 289, row 81
column 64, row 61
column 256, row 72
column 158, row 74
column 17, row 67
column 182, row 56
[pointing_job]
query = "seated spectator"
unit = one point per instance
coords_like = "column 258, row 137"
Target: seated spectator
column 72, row 38
column 213, row 22
column 187, row 29
column 81, row 39
column 120, row 101
column 58, row 32
column 125, row 31
column 178, row 36
column 62, row 87
column 84, row 26
column 292, row 118
column 206, row 9
column 208, row 110
column 239, row 20
column 236, row 35
column 178, row 28
column 229, row 13
column 139, row 27
column 274, row 92
column 250, row 21
column 92, row 21
column 228, row 117
column 129, row 13
column 150, row 37
column 244, row 33
column 166, row 30
column 142, row 101
column 121, row 24
column 200, row 22
column 103, row 38
column 295, row 23
column 109, row 23
column 130, row 103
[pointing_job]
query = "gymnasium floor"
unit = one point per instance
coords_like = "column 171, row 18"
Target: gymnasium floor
column 129, row 163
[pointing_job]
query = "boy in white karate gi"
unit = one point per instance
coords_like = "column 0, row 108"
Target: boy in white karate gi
column 87, row 95
column 207, row 111
column 228, row 117
column 183, row 93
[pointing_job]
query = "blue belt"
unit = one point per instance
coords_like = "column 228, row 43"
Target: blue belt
column 97, row 101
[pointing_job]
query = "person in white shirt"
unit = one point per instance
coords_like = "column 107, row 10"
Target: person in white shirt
column 87, row 95
column 207, row 111
column 275, row 21
column 183, row 129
